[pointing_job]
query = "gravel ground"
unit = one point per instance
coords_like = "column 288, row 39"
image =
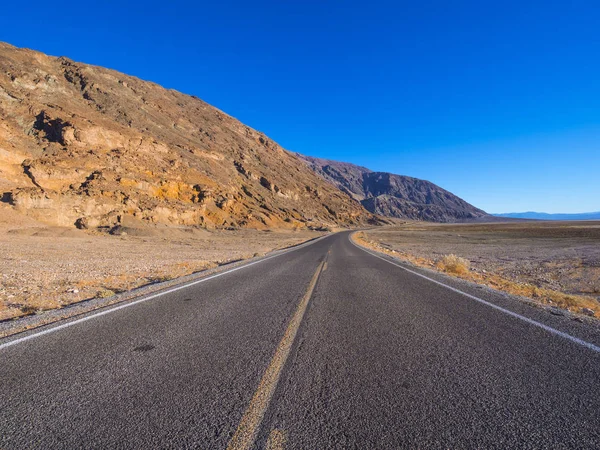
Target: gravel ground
column 562, row 256
column 44, row 268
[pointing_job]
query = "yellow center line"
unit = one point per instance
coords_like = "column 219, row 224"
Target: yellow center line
column 277, row 439
column 247, row 430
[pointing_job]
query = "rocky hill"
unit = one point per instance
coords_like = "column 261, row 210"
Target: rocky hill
column 392, row 195
column 89, row 147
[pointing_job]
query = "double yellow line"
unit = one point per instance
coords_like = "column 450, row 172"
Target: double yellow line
column 247, row 430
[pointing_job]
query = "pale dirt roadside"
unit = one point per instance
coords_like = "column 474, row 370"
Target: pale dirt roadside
column 45, row 268
column 554, row 263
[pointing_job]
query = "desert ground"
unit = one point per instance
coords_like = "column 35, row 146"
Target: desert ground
column 46, row 267
column 534, row 259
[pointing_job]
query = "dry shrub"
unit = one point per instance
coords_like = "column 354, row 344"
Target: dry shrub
column 454, row 264
column 105, row 293
column 27, row 309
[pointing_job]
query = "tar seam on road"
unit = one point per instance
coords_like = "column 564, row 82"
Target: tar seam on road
column 145, row 299
column 551, row 330
column 247, row 430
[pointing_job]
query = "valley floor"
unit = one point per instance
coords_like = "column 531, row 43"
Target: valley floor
column 553, row 262
column 45, row 268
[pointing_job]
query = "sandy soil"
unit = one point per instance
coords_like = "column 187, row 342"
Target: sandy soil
column 561, row 256
column 44, row 267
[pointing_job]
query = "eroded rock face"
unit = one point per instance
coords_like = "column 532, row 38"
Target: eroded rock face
column 395, row 195
column 86, row 146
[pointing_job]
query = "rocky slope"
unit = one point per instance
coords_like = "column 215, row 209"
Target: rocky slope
column 395, row 195
column 89, row 147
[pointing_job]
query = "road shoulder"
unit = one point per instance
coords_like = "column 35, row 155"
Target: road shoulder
column 577, row 326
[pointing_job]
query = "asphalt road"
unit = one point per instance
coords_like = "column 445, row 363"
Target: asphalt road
column 325, row 346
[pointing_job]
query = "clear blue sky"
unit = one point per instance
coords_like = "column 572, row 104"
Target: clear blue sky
column 498, row 102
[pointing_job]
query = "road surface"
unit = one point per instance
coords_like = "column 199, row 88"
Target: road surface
column 324, row 346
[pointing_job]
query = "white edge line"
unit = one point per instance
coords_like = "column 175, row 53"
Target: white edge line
column 150, row 297
column 562, row 334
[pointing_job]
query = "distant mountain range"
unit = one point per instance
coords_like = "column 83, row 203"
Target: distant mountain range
column 546, row 216
column 392, row 195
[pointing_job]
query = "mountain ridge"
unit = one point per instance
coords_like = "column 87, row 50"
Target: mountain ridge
column 397, row 196
column 90, row 147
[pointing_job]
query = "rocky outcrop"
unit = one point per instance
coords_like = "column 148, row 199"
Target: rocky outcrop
column 88, row 147
column 397, row 196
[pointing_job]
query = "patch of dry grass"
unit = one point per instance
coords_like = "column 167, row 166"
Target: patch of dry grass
column 105, row 293
column 453, row 264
